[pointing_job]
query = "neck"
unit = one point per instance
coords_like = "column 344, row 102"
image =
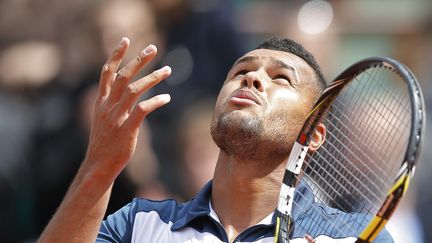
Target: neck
column 245, row 192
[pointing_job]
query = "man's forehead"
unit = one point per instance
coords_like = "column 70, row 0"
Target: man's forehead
column 273, row 55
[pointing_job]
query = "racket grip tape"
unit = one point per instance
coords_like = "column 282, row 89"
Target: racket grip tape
column 284, row 227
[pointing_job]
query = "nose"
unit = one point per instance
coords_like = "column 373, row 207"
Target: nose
column 253, row 80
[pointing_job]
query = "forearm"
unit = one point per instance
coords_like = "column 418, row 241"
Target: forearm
column 113, row 136
column 80, row 215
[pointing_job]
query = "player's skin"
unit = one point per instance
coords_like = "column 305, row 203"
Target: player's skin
column 249, row 171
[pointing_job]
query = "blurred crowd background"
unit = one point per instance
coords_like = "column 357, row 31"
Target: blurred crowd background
column 51, row 53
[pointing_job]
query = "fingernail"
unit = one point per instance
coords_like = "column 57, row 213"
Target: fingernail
column 123, row 41
column 165, row 97
column 149, row 49
column 165, row 69
column 121, row 74
column 105, row 68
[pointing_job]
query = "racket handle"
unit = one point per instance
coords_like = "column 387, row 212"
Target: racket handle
column 284, row 226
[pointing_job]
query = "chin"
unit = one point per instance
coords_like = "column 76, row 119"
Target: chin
column 240, row 114
column 241, row 119
column 236, row 128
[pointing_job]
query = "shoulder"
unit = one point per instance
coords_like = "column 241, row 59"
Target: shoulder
column 384, row 237
column 335, row 224
column 140, row 212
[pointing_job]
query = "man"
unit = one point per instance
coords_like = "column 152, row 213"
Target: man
column 260, row 110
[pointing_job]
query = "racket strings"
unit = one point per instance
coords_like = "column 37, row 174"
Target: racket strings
column 306, row 221
column 352, row 112
column 367, row 121
column 341, row 179
column 369, row 140
column 346, row 132
column 321, row 192
column 377, row 143
column 391, row 114
column 382, row 129
column 392, row 89
column 330, row 223
column 391, row 99
column 337, row 144
column 333, row 148
column 367, row 129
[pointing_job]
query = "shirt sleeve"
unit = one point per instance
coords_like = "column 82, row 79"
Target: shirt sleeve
column 118, row 226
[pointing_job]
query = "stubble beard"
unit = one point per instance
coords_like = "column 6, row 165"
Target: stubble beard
column 247, row 138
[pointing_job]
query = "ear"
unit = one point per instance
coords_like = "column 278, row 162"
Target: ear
column 318, row 137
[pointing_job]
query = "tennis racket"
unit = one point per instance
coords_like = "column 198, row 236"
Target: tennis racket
column 374, row 118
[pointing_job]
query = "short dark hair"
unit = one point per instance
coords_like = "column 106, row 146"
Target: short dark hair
column 288, row 45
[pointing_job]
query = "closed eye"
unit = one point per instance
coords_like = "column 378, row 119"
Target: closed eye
column 282, row 77
column 241, row 72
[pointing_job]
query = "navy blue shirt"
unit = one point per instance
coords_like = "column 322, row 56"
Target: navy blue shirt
column 144, row 220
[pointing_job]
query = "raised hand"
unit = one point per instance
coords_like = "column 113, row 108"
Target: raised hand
column 117, row 117
column 113, row 136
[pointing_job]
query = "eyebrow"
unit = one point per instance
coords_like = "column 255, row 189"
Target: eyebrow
column 282, row 64
column 246, row 59
column 274, row 61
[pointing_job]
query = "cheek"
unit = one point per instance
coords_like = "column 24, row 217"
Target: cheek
column 302, row 98
column 290, row 104
column 221, row 100
column 224, row 93
column 283, row 99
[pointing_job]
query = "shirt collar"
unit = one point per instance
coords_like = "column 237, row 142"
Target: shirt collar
column 200, row 205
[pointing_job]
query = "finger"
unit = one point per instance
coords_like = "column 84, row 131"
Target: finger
column 142, row 109
column 110, row 67
column 128, row 71
column 137, row 88
column 309, row 239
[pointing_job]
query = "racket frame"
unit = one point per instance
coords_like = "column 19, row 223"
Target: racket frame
column 300, row 148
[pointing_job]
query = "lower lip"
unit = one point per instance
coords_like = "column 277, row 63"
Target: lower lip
column 242, row 101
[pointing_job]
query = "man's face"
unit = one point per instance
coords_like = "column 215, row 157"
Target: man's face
column 263, row 104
